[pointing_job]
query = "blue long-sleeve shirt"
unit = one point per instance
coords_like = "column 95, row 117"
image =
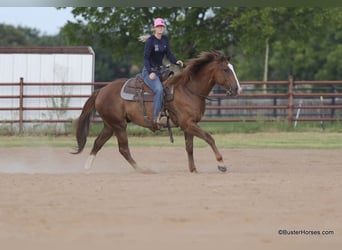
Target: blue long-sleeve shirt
column 154, row 52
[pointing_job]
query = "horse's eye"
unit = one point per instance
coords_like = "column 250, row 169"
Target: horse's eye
column 226, row 70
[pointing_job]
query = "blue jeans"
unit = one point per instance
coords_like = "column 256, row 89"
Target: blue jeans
column 157, row 89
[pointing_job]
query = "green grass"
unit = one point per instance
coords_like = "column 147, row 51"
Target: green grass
column 242, row 127
column 211, row 127
column 276, row 134
column 269, row 140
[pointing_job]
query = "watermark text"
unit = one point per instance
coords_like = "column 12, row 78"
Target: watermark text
column 304, row 232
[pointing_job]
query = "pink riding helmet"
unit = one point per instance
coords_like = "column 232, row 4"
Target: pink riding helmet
column 159, row 22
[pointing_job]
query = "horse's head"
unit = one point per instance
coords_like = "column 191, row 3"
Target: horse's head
column 225, row 76
column 208, row 69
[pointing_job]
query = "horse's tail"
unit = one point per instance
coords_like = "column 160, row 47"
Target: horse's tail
column 83, row 122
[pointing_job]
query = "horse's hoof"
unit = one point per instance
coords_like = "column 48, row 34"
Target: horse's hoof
column 223, row 169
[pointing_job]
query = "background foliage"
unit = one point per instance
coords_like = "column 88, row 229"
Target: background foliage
column 305, row 42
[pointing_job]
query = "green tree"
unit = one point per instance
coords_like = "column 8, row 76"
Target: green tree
column 116, row 31
column 267, row 42
column 22, row 36
column 11, row 36
column 299, row 40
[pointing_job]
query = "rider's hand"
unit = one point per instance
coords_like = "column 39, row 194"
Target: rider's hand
column 152, row 76
column 180, row 63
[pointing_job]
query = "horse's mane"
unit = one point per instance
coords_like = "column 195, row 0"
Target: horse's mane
column 194, row 65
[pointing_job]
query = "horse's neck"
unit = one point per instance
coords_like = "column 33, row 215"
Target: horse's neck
column 201, row 85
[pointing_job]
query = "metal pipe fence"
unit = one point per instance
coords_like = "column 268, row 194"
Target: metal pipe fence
column 268, row 101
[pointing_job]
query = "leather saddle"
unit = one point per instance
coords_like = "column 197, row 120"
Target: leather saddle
column 135, row 89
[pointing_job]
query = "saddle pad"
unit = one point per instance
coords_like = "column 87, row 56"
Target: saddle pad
column 134, row 88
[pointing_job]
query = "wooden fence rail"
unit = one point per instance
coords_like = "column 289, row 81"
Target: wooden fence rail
column 273, row 100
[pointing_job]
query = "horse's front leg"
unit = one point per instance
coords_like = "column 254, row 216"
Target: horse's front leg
column 189, row 141
column 194, row 130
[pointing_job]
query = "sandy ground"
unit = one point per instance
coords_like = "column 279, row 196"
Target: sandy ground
column 48, row 201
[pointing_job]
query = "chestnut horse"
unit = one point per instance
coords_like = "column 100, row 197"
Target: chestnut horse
column 191, row 87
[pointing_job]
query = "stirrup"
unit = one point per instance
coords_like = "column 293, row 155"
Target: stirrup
column 162, row 121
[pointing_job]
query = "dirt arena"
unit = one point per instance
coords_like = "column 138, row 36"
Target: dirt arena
column 48, row 201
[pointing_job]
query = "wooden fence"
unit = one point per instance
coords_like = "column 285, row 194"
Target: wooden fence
column 273, row 100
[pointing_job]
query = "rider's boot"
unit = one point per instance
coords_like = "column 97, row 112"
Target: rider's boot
column 161, row 120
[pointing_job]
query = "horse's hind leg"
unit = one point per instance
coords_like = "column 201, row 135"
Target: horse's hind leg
column 121, row 135
column 101, row 139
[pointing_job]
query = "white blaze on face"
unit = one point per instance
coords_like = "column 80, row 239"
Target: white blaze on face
column 237, row 81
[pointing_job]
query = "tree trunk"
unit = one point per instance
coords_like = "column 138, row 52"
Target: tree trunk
column 267, row 50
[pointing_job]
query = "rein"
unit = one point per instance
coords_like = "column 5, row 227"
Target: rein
column 198, row 95
column 192, row 92
column 201, row 96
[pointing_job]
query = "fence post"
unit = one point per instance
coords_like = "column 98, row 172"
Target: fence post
column 21, row 105
column 290, row 112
